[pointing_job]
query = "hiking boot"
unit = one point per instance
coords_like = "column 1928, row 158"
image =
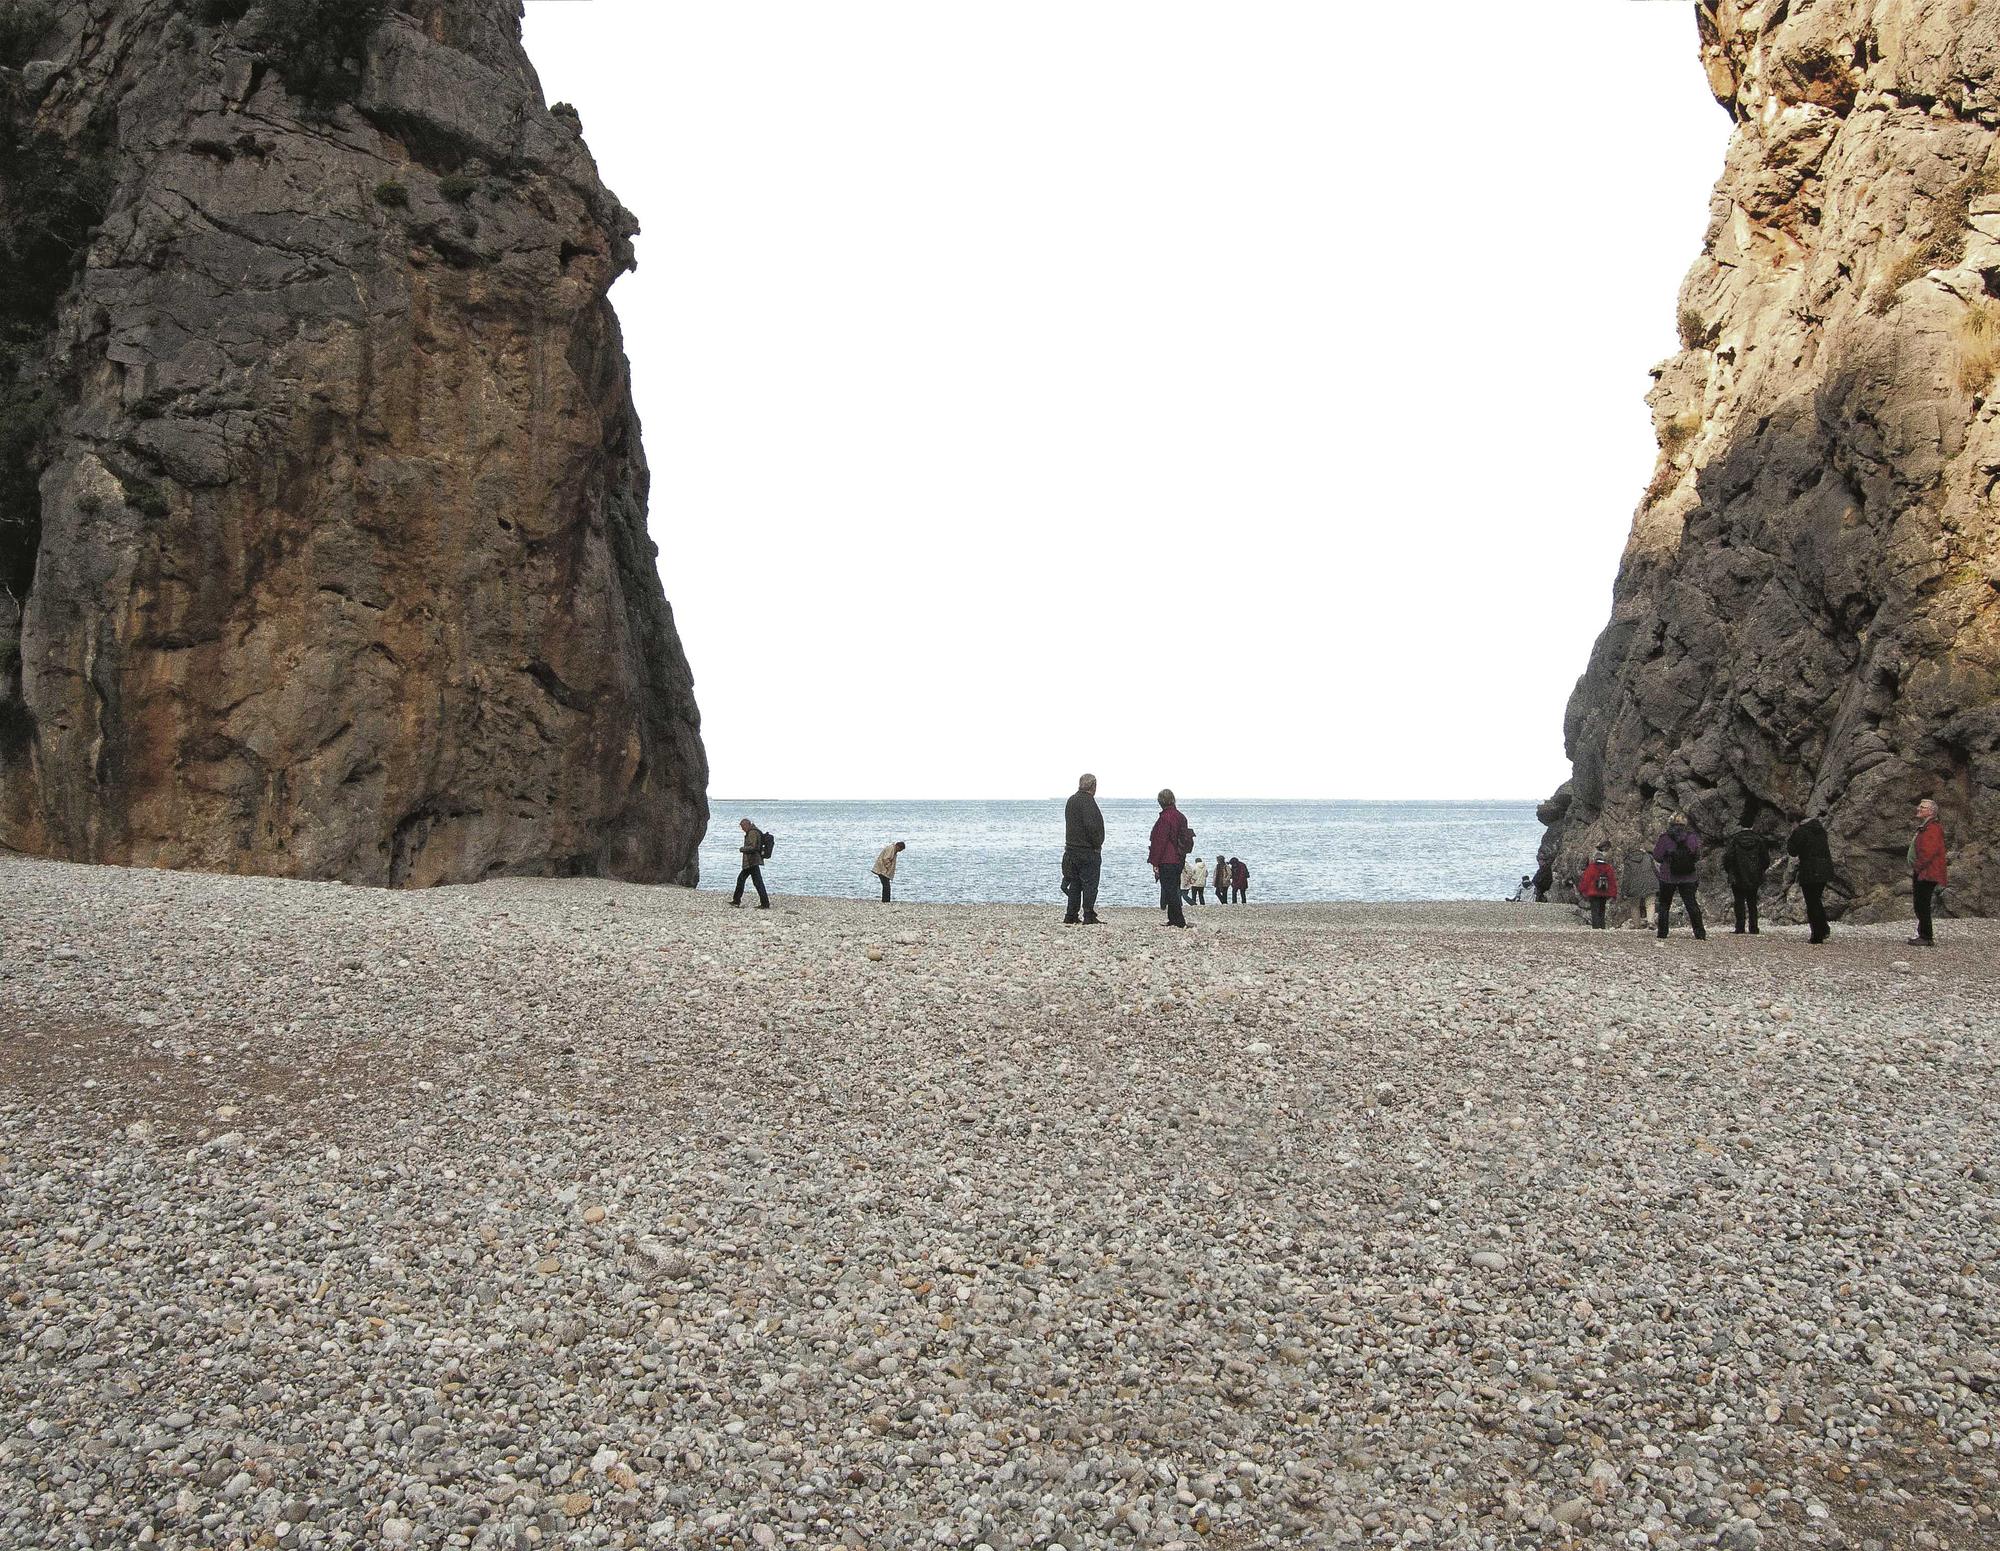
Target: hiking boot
column 1071, row 921
column 1092, row 921
column 1922, row 942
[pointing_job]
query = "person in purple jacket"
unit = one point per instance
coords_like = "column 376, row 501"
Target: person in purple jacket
column 1168, row 849
column 1676, row 856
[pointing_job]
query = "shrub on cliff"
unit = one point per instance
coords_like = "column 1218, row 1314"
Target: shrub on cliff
column 319, row 46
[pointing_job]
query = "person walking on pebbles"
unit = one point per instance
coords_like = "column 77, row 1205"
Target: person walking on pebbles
column 1194, row 882
column 1807, row 842
column 1598, row 885
column 885, row 866
column 1676, row 856
column 1083, row 853
column 1927, row 871
column 1239, row 881
column 1746, row 857
column 755, row 849
column 1221, row 876
column 1171, row 842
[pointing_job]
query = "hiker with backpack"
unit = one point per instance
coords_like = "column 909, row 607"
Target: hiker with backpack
column 1808, row 843
column 1171, row 842
column 885, row 866
column 756, row 850
column 1927, row 870
column 1598, row 886
column 1676, row 858
column 1083, row 853
column 1746, row 857
column 1239, row 880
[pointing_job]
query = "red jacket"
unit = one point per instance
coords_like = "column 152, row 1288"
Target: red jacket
column 1927, row 854
column 1239, row 875
column 1172, row 839
column 1598, row 882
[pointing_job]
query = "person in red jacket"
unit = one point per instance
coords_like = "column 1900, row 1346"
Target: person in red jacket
column 1926, row 870
column 1171, row 842
column 1599, row 885
column 1239, row 880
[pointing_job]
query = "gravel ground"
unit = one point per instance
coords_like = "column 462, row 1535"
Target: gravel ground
column 568, row 1213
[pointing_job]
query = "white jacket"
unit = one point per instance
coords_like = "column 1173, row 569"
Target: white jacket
column 1196, row 875
column 885, row 864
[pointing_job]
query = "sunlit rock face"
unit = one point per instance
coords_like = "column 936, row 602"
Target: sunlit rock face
column 332, row 558
column 1807, row 616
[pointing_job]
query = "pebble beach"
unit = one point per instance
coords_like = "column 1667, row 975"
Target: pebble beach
column 566, row 1213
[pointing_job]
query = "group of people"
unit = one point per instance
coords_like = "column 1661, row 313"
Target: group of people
column 1232, row 880
column 1746, row 861
column 1168, row 850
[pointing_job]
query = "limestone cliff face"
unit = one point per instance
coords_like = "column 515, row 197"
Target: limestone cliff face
column 338, row 566
column 1808, row 612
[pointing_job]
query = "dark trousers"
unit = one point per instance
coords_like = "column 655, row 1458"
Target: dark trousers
column 1690, row 901
column 1170, row 894
column 1815, row 894
column 1923, row 893
column 1200, row 895
column 1080, row 874
column 1597, row 914
column 1237, row 891
column 1745, row 902
column 885, row 888
column 752, row 875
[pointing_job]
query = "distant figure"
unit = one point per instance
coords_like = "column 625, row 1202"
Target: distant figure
column 756, row 848
column 1746, row 857
column 885, row 866
column 1808, row 844
column 1171, row 842
column 1676, row 856
column 1194, row 882
column 1525, row 894
column 1599, row 886
column 1239, row 880
column 1221, row 879
column 1083, row 853
column 1926, row 870
column 1545, row 877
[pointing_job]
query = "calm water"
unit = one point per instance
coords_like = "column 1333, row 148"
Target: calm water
column 1010, row 852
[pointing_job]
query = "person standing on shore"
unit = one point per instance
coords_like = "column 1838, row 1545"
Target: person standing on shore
column 1221, row 876
column 1808, row 843
column 1083, row 853
column 1676, row 856
column 1927, row 871
column 1746, row 857
column 885, row 866
column 1599, row 886
column 1239, row 880
column 1171, row 842
column 1194, row 882
column 755, row 849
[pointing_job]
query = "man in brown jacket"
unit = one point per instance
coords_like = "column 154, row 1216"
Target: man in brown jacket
column 753, row 865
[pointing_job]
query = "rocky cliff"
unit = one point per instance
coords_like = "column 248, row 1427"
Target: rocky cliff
column 1807, row 616
column 322, row 502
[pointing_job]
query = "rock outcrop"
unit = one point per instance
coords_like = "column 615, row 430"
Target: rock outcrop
column 324, row 531
column 1808, row 612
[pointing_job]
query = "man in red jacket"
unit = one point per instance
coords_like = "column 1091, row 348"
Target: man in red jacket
column 1926, row 869
column 1172, row 840
column 1599, row 885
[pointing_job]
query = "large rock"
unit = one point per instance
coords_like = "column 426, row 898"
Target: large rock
column 1808, row 612
column 343, row 568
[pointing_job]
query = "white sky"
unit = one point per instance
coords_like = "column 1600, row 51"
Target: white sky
column 1241, row 397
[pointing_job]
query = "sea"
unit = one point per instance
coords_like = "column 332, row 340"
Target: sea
column 1010, row 852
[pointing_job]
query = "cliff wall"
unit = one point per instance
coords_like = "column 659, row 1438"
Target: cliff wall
column 322, row 500
column 1807, row 616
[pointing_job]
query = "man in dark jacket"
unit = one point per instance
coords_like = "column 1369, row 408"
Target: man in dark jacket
column 1083, row 853
column 1676, row 854
column 1808, row 844
column 752, row 851
column 1746, row 857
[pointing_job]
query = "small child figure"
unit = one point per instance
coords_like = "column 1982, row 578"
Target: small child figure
column 1599, row 885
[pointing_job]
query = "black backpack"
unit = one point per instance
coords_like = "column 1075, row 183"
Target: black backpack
column 1683, row 859
column 1748, row 858
column 766, row 844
